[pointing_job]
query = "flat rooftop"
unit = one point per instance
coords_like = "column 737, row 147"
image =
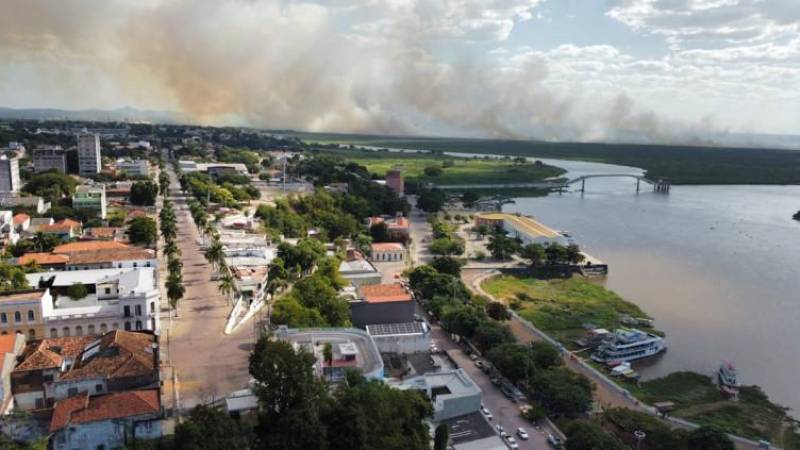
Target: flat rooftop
column 393, row 329
column 523, row 224
column 368, row 358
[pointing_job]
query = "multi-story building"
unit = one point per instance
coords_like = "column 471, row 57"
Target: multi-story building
column 49, row 157
column 91, row 198
column 53, row 369
column 88, row 153
column 136, row 167
column 108, row 421
column 394, row 179
column 9, row 174
column 116, row 299
column 21, row 312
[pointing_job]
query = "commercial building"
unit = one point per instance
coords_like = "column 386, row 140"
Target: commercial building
column 88, row 154
column 108, row 421
column 527, row 229
column 116, row 299
column 394, row 179
column 403, row 338
column 452, row 392
column 49, row 157
column 382, row 303
column 351, row 348
column 91, row 198
column 386, row 252
column 53, row 369
column 21, row 312
column 136, row 167
column 9, row 174
column 213, row 169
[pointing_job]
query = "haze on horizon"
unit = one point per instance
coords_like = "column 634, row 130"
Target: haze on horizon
column 611, row 70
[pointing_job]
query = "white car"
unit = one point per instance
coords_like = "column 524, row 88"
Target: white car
column 486, row 413
column 522, row 434
column 512, row 442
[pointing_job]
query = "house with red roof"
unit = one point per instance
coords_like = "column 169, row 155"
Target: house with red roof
column 107, row 421
column 396, row 228
column 54, row 369
column 386, row 252
column 22, row 222
column 66, row 229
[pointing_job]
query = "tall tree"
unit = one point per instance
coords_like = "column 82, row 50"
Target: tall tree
column 502, row 246
column 208, row 428
column 441, row 437
column 175, row 291
column 142, row 230
column 227, row 285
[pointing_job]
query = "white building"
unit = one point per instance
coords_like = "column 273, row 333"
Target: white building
column 404, row 338
column 92, row 198
column 8, row 200
column 9, row 174
column 125, row 299
column 88, row 153
column 452, row 392
column 106, row 422
column 135, row 168
column 386, row 251
column 8, row 231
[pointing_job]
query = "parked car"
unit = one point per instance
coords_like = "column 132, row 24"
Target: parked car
column 480, row 364
column 495, row 381
column 522, row 434
column 554, row 441
column 486, row 413
column 500, row 430
column 512, row 442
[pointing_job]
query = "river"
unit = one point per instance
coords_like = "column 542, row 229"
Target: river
column 718, row 267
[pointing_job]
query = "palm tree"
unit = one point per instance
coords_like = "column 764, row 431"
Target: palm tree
column 174, row 265
column 171, row 249
column 39, row 241
column 215, row 254
column 175, row 291
column 227, row 285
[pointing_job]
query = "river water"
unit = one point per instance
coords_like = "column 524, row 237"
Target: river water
column 718, row 267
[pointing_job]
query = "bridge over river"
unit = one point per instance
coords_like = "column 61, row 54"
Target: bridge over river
column 560, row 185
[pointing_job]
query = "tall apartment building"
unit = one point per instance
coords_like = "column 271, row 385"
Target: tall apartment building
column 88, row 154
column 49, row 157
column 9, row 174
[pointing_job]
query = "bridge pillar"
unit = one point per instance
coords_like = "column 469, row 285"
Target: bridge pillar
column 583, row 185
column 637, row 184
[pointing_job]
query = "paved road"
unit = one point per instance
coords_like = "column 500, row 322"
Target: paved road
column 208, row 363
column 505, row 412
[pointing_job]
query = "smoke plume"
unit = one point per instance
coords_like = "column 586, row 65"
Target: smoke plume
column 371, row 66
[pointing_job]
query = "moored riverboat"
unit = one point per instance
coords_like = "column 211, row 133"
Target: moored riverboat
column 628, row 344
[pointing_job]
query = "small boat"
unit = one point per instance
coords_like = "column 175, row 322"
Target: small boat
column 728, row 378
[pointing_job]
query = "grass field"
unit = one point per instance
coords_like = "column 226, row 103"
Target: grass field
column 463, row 170
column 679, row 164
column 561, row 306
column 699, row 400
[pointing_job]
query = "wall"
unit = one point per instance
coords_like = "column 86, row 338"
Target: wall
column 404, row 344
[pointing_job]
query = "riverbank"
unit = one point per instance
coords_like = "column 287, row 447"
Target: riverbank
column 560, row 307
column 440, row 170
column 679, row 164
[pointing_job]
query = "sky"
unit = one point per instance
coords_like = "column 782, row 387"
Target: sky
column 587, row 70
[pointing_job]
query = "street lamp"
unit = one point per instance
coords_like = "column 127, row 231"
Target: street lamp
column 639, row 435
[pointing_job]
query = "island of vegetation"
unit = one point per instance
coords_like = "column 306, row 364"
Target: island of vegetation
column 421, row 169
column 796, row 216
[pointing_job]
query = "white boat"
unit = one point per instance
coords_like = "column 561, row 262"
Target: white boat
column 728, row 378
column 628, row 344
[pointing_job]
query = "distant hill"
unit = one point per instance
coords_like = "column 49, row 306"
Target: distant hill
column 126, row 114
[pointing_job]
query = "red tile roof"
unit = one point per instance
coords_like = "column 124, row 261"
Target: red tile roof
column 82, row 246
column 387, row 247
column 42, row 259
column 85, row 409
column 106, row 255
column 50, row 353
column 21, row 218
column 381, row 293
column 61, row 225
column 102, row 232
column 121, row 354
